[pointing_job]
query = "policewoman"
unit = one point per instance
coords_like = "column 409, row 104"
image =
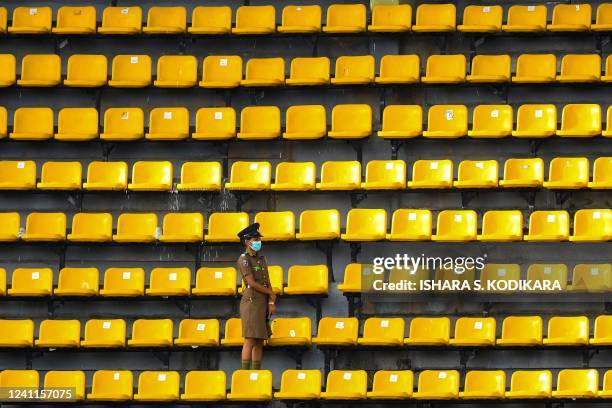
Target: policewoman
column 258, row 299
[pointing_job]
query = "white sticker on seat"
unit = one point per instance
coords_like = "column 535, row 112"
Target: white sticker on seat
column 253, row 166
column 393, row 378
column 442, row 375
column 161, row 377
column 458, row 217
column 116, row 376
column 134, row 60
column 538, row 113
column 291, row 333
column 594, row 271
column 449, row 114
column 433, row 165
column 125, row 10
column 172, row 276
column 412, row 216
column 218, row 275
column 479, row 165
column 478, row 325
column 125, row 115
column 223, row 62
column 339, row 325
column 35, row 275
column 254, row 376
column 547, row 270
column 106, row 325
column 33, row 11
column 530, row 8
column 301, row 376
column 596, row 215
column 20, row 165
column 388, row 166
column 127, row 275
column 550, row 218
column 167, row 115
column 298, row 8
column 347, row 376
column 218, row 115
column 501, row 272
column 495, row 113
column 201, row 327
column 486, row 9
column 384, row 323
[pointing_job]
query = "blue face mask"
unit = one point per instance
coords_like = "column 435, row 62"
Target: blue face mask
column 256, row 246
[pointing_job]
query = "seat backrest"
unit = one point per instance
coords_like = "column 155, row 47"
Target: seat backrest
column 341, row 172
column 21, row 331
column 301, row 382
column 33, row 120
column 537, row 117
column 169, row 120
column 393, row 381
column 338, row 327
column 18, row 172
column 179, row 68
column 378, row 327
column 602, row 169
column 165, row 383
column 310, row 67
column 575, row 169
column 592, row 277
column 527, row 15
column 78, row 278
column 122, row 17
column 534, row 381
column 368, row 221
column 524, row 169
column 204, row 173
column 19, row 379
column 124, row 278
column 403, row 117
column 212, row 16
column 507, row 222
column 491, row 65
column 581, row 116
column 76, row 17
column 256, row 16
column 260, row 119
column 275, row 222
column 493, row 382
column 581, row 64
column 132, row 223
column 439, row 382
column 538, row 65
column 250, row 172
column 291, row 327
column 578, row 380
column 167, row 17
column 107, row 172
column 595, row 222
column 205, row 383
column 78, row 121
column 216, row 278
column 392, row 14
column 492, row 117
column 347, row 15
column 306, row 118
column 227, row 224
column 302, row 172
column 252, row 382
column 320, row 220
column 233, row 328
column 478, row 170
column 199, row 329
column 476, row 328
column 575, row 327
column 308, row 276
column 61, row 172
column 386, row 170
column 147, row 329
column 222, row 68
column 124, row 120
column 457, row 221
column 356, row 117
column 158, row 172
column 572, row 14
column 439, row 170
column 67, row 379
column 183, row 224
column 39, row 17
column 430, row 328
column 113, row 382
column 265, row 68
column 527, row 327
column 109, row 330
column 436, row 14
column 355, row 66
column 447, row 118
column 446, row 65
column 33, row 279
column 483, row 15
column 349, row 381
column 59, row 330
column 170, row 278
column 131, row 68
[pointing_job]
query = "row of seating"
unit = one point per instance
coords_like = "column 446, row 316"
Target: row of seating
column 590, row 225
column 307, row 122
column 521, row 331
column 564, row 173
column 341, row 18
column 256, row 385
column 181, row 71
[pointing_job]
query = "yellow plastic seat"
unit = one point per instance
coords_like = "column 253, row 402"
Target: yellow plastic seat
column 435, row 18
column 287, row 332
column 530, row 385
column 77, row 282
column 301, row 19
column 525, row 19
column 580, row 68
column 158, row 386
column 31, row 20
column 249, row 176
column 580, row 120
column 276, row 225
column 490, row 68
column 221, row 71
column 255, row 20
column 410, row 225
column 305, row 122
column 445, row 69
column 59, row 334
column 382, row 332
column 74, row 380
column 481, row 19
column 31, row 282
column 602, row 335
column 264, row 72
column 166, row 20
column 491, row 121
column 345, row 18
column 8, row 70
column 169, row 282
column 110, row 385
column 432, row 174
column 406, row 276
column 123, row 124
column 438, row 385
column 548, row 226
column 75, row 20
column 484, row 385
column 91, row 227
column 16, row 333
column 592, row 225
column 276, row 280
column 198, row 333
column 319, row 225
column 608, row 131
column 365, row 225
column 446, row 122
column 259, row 123
column 32, row 124
column 602, row 173
column 385, row 175
column 498, row 277
column 399, row 69
column 215, row 124
column 346, row 385
column 106, row 176
column 17, row 175
column 204, row 386
column 502, row 226
column 151, row 333
column 224, row 227
column 567, row 331
column 392, row 385
column 474, row 331
column 307, row 280
column 136, row 227
column 337, row 331
column 104, row 334
column 477, row 174
column 401, row 122
column 447, row 276
column 353, row 70
column 60, row 176
column 555, row 273
column 45, row 227
column 358, row 278
column 19, row 379
column 121, row 20
column 151, row 176
column 182, row 227
column 168, row 124
column 456, row 226
column 391, row 18
column 215, row 282
column 299, row 385
column 568, row 173
column 521, row 331
column 176, row 71
column 200, row 176
column 233, row 333
column 77, row 124
column 577, row 383
column 123, row 282
column 603, row 20
column 10, row 223
column 351, row 121
column 251, row 385
column 131, row 71
column 309, row 71
column 523, row 173
column 536, row 121
column 571, row 17
column 535, row 68
column 211, row 20
column 340, row 175
column 592, row 278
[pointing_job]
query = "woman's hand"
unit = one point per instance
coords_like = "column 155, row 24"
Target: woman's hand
column 271, row 309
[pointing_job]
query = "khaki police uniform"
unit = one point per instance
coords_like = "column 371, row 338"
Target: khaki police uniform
column 254, row 304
